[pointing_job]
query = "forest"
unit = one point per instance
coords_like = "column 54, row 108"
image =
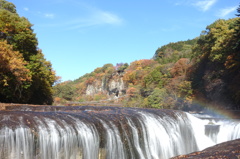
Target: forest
column 25, row 75
column 185, row 75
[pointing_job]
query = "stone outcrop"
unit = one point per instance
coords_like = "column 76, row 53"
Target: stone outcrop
column 112, row 85
column 226, row 150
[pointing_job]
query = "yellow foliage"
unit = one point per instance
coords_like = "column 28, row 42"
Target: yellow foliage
column 12, row 64
column 139, row 68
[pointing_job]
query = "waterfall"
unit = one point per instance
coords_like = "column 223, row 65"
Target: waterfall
column 106, row 133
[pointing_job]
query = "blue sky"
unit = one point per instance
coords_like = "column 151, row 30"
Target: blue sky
column 78, row 36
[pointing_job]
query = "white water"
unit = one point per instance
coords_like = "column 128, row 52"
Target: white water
column 142, row 136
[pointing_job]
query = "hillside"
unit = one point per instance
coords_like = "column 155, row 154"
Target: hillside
column 143, row 83
column 25, row 75
column 179, row 76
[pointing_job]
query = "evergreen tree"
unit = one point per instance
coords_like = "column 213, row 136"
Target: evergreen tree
column 238, row 10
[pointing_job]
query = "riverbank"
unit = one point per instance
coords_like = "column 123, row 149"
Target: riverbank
column 4, row 105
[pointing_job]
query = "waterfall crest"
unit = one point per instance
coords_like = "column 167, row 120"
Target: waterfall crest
column 105, row 132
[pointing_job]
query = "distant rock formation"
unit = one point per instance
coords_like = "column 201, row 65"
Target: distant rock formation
column 113, row 86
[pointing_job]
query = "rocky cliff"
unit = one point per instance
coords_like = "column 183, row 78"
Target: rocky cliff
column 112, row 85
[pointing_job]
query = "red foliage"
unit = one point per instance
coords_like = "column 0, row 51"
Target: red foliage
column 131, row 91
column 180, row 67
column 90, row 80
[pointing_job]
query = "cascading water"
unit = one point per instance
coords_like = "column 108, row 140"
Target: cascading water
column 106, row 132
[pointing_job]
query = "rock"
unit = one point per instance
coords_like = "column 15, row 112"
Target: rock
column 226, row 150
column 112, row 85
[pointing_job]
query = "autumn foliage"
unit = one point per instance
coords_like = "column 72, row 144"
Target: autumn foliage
column 181, row 74
column 12, row 61
column 25, row 75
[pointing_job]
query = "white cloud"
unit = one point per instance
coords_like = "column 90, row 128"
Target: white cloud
column 204, row 5
column 26, row 9
column 102, row 17
column 48, row 15
column 96, row 18
column 224, row 12
column 87, row 17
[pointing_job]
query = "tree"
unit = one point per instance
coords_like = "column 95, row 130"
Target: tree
column 237, row 30
column 15, row 77
column 238, row 10
column 43, row 78
column 132, row 92
column 218, row 63
column 180, row 67
column 64, row 91
column 120, row 67
column 7, row 6
column 157, row 98
column 16, row 31
column 155, row 78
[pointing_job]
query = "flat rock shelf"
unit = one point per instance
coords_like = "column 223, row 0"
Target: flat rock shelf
column 226, row 150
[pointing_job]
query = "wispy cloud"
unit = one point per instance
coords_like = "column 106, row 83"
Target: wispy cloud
column 49, row 15
column 95, row 16
column 226, row 11
column 103, row 17
column 26, row 9
column 44, row 15
column 204, row 5
column 39, row 13
column 96, row 19
column 85, row 16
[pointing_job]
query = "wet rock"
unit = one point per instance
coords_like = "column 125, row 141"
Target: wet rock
column 226, row 150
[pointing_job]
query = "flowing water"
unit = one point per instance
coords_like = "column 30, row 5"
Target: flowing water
column 106, row 133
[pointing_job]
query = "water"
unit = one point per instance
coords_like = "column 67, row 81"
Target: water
column 106, row 133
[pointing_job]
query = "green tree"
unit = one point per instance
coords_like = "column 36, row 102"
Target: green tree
column 17, row 31
column 43, row 78
column 7, row 6
column 64, row 91
column 237, row 30
column 157, row 98
column 120, row 67
column 154, row 79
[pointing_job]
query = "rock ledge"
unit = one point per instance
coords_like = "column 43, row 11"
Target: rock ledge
column 226, row 150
